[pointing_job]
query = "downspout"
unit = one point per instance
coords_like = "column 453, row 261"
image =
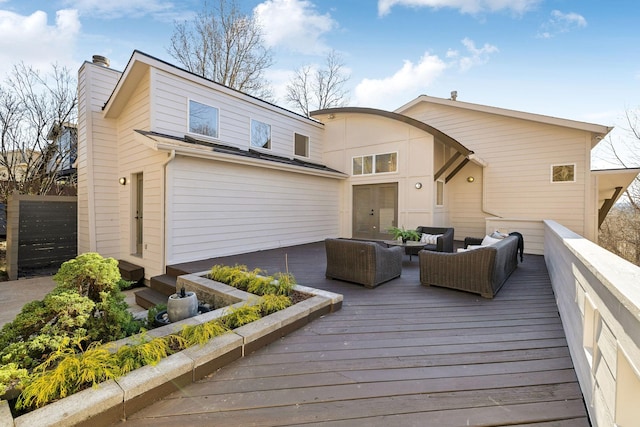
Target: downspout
column 172, row 155
column 477, row 160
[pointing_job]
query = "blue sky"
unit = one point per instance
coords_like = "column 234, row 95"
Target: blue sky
column 574, row 59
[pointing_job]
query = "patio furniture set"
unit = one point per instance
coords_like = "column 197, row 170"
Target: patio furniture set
column 481, row 267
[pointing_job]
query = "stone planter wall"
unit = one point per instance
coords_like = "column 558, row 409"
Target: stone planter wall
column 114, row 400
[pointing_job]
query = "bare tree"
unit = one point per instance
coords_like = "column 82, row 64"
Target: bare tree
column 620, row 231
column 226, row 46
column 34, row 107
column 318, row 88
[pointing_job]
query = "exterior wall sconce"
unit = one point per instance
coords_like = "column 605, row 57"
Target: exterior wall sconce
column 470, row 179
column 332, row 116
column 418, row 185
column 122, row 180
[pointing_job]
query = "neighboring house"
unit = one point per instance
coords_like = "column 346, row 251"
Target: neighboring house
column 16, row 164
column 62, row 153
column 173, row 168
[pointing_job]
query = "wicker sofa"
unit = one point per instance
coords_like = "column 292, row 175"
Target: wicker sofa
column 482, row 271
column 444, row 242
column 364, row 262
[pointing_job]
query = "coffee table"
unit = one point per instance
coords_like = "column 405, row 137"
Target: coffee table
column 407, row 244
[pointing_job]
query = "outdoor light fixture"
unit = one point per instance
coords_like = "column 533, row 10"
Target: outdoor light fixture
column 122, row 180
column 470, row 179
column 418, row 185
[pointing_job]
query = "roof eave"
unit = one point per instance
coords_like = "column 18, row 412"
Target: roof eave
column 596, row 129
column 160, row 143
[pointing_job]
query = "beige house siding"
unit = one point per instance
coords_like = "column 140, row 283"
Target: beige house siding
column 171, row 96
column 97, row 160
column 136, row 158
column 352, row 134
column 217, row 209
column 196, row 208
column 517, row 181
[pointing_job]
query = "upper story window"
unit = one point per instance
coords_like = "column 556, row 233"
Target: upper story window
column 301, row 145
column 563, row 173
column 203, row 119
column 376, row 163
column 260, row 134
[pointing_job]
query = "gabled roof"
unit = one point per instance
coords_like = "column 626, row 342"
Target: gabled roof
column 140, row 63
column 194, row 147
column 598, row 131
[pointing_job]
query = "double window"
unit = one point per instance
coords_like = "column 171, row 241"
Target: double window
column 203, row 119
column 375, row 163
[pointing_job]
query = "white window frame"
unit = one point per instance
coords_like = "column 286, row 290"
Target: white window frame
column 269, row 140
column 575, row 173
column 217, row 119
column 307, row 147
column 373, row 164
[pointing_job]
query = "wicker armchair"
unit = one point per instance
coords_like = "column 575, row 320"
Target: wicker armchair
column 482, row 271
column 363, row 262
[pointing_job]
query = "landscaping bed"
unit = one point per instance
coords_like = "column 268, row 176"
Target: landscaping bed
column 117, row 398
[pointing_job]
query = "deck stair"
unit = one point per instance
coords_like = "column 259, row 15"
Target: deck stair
column 160, row 287
column 131, row 272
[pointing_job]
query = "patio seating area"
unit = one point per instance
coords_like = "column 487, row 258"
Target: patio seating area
column 399, row 354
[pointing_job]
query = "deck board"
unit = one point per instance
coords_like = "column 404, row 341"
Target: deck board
column 400, row 354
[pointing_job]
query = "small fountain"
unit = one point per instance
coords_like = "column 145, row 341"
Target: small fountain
column 180, row 305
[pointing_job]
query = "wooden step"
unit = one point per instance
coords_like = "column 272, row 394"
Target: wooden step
column 131, row 272
column 147, row 298
column 164, row 284
column 175, row 271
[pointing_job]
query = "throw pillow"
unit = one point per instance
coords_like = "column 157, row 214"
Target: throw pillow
column 498, row 235
column 430, row 239
column 488, row 240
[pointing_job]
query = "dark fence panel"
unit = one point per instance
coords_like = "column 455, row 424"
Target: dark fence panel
column 42, row 234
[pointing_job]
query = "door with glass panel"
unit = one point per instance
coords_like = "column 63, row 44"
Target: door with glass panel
column 375, row 210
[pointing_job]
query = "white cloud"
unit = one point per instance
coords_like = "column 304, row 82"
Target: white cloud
column 465, row 6
column 476, row 56
column 408, row 81
column 30, row 39
column 295, row 25
column 111, row 9
column 560, row 22
column 413, row 79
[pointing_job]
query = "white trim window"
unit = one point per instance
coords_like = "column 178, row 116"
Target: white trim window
column 203, row 119
column 439, row 192
column 375, row 164
column 300, row 145
column 563, row 172
column 260, row 134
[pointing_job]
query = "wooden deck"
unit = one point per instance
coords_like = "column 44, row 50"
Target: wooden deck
column 400, row 354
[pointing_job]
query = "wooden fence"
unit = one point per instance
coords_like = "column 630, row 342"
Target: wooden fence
column 42, row 233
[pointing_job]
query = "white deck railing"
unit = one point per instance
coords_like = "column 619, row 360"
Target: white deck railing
column 598, row 297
